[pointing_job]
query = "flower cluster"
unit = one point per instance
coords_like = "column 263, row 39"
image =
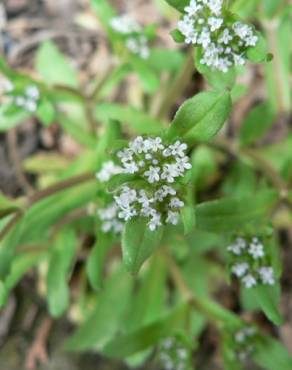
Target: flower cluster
column 250, row 262
column 174, row 355
column 29, row 99
column 109, row 219
column 135, row 41
column 159, row 166
column 223, row 42
column 6, row 85
column 243, row 341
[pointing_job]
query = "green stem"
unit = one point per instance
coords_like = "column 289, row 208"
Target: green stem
column 217, row 314
column 178, row 86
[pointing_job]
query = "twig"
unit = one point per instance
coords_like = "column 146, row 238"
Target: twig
column 38, row 196
column 60, row 186
column 38, row 350
column 16, row 161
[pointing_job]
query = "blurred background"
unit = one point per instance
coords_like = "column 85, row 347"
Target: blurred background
column 27, row 335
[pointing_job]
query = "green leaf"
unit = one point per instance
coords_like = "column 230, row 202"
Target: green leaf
column 46, row 112
column 96, row 260
column 147, row 336
column 105, row 319
column 10, row 120
column 20, row 266
column 271, row 354
column 258, row 53
column 148, row 304
column 103, row 10
column 138, row 243
column 8, row 246
column 147, row 75
column 201, row 117
column 52, row 65
column 256, row 123
column 62, row 254
column 165, row 60
column 268, row 299
column 234, row 213
column 140, row 121
column 7, row 206
column 178, row 4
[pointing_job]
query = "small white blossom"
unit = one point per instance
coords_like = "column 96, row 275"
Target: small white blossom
column 240, row 269
column 109, row 218
column 172, row 217
column 124, row 24
column 256, row 250
column 155, row 221
column 249, row 281
column 152, row 174
column 32, row 92
column 135, row 41
column 6, row 85
column 237, row 247
column 176, row 203
column 108, row 170
column 214, row 23
column 267, row 275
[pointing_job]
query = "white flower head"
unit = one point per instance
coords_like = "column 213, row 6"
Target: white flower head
column 156, row 165
column 256, row 250
column 249, row 281
column 267, row 276
column 205, row 24
column 240, row 269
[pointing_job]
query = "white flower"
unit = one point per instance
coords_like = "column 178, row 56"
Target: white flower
column 172, row 217
column 125, row 155
column 32, row 92
column 143, row 199
column 124, row 24
column 170, row 172
column 30, row 106
column 238, row 59
column 6, row 85
column 155, row 221
column 183, row 163
column 215, row 23
column 240, row 269
column 109, row 218
column 127, row 213
column 256, row 250
column 215, row 6
column 152, row 174
column 20, row 101
column 108, row 170
column 131, row 167
column 249, row 281
column 225, row 37
column 267, row 275
column 178, row 149
column 126, row 198
column 193, row 8
column 237, row 247
column 204, row 38
column 176, row 203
